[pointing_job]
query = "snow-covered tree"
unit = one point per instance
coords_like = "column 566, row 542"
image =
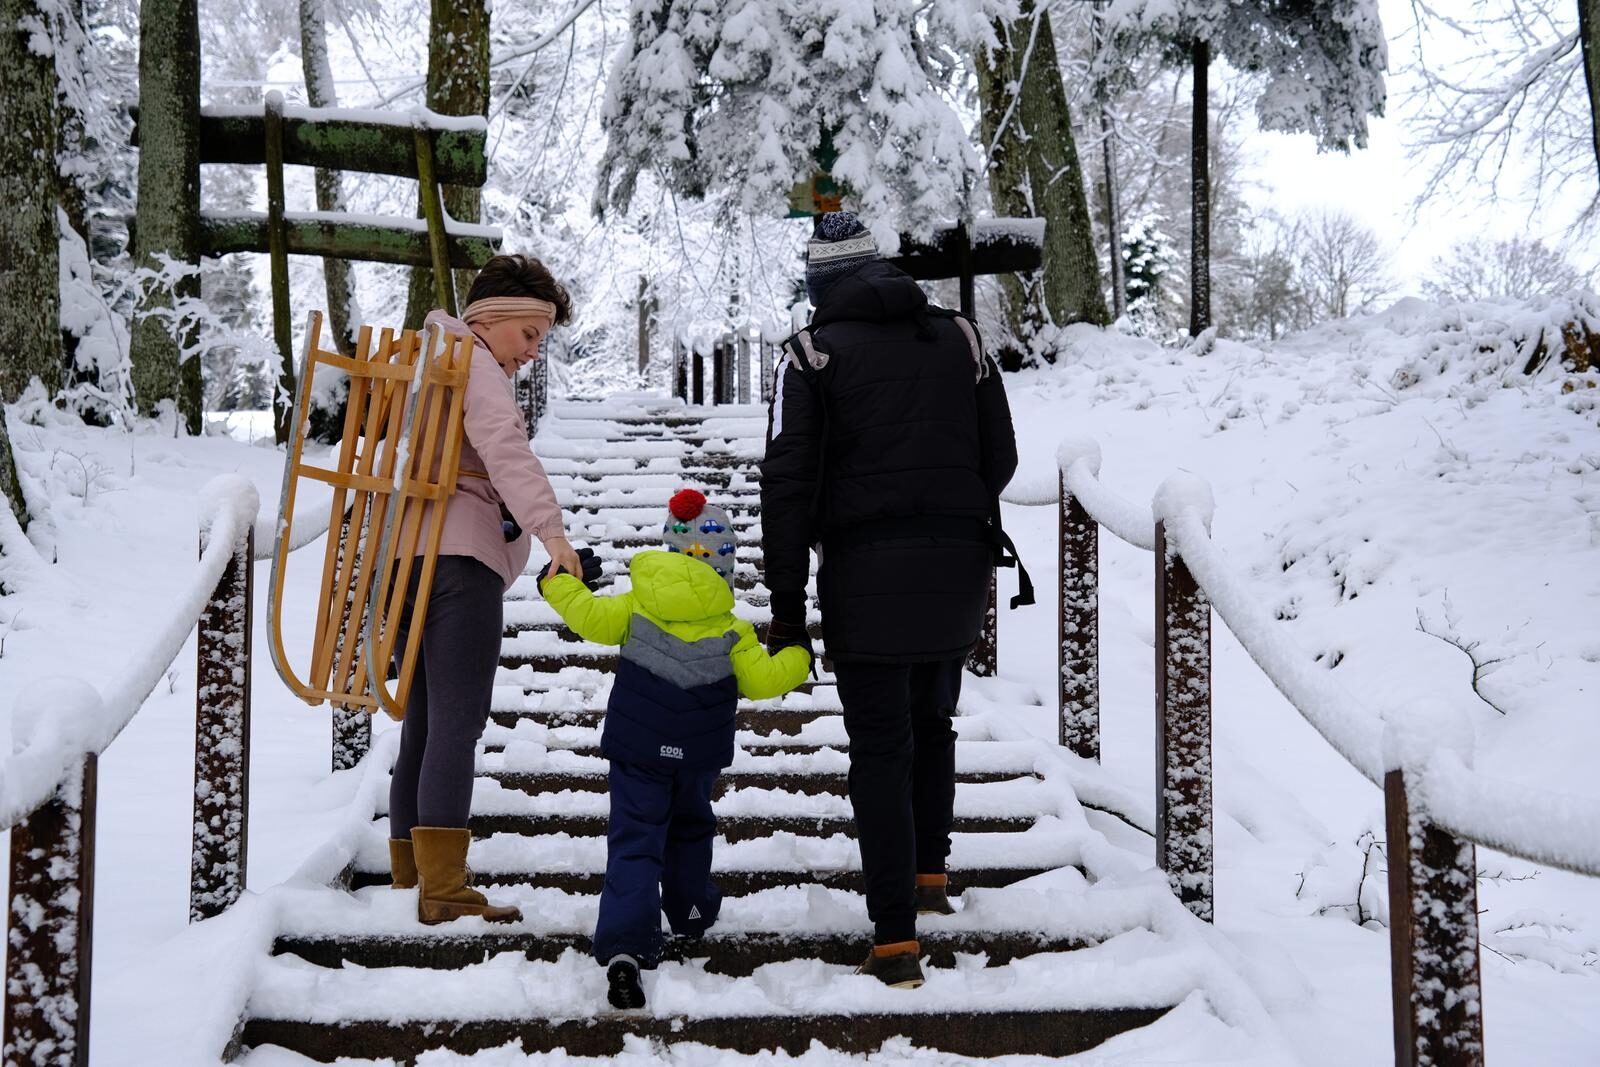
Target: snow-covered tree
column 1342, row 263
column 1147, row 256
column 1320, row 65
column 1034, row 171
column 1478, row 269
column 730, row 98
column 1502, row 100
column 30, row 298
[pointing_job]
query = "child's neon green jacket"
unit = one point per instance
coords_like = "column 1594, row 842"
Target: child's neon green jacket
column 684, row 660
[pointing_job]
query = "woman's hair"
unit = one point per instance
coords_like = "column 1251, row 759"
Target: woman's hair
column 521, row 276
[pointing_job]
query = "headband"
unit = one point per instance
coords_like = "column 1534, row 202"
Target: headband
column 493, row 309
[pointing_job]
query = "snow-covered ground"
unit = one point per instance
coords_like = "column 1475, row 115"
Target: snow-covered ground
column 1393, row 488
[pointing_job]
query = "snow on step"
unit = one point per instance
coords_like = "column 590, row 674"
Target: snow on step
column 1134, row 969
column 1044, row 846
column 1018, row 797
column 1015, row 758
column 828, row 731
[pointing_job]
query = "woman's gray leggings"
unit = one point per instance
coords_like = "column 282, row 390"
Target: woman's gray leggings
column 449, row 701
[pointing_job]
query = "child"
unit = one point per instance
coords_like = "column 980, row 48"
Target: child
column 684, row 661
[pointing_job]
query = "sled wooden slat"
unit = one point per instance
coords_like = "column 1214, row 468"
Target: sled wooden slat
column 399, row 404
column 433, row 439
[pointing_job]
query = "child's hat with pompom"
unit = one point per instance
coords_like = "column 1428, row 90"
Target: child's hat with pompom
column 700, row 530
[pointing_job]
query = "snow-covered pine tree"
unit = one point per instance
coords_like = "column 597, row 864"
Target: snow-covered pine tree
column 1321, row 63
column 1146, row 259
column 727, row 99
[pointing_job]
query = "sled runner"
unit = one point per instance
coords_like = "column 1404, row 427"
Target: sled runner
column 400, row 451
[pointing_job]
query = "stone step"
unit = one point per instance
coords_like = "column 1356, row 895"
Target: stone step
column 965, row 1033
column 730, row 828
column 737, row 953
column 831, row 784
column 761, row 720
column 733, row 883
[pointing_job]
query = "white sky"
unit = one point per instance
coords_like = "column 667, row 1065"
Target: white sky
column 1379, row 185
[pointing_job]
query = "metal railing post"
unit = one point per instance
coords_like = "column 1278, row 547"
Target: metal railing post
column 1078, row 632
column 50, row 930
column 1183, row 730
column 1433, row 937
column 222, row 736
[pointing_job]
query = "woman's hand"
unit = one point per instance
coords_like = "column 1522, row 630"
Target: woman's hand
column 563, row 557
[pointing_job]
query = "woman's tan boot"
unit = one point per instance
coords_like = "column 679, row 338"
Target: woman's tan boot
column 402, row 864
column 441, row 854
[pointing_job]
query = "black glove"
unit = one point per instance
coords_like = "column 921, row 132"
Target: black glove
column 591, row 569
column 781, row 635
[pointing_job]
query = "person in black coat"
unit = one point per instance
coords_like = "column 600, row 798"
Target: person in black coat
column 889, row 443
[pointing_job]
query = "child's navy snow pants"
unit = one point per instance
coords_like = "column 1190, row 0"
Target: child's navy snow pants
column 658, row 858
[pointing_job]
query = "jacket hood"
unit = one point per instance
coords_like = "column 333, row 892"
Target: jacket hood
column 678, row 588
column 876, row 292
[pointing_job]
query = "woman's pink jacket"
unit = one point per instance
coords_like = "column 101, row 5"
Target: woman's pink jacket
column 497, row 445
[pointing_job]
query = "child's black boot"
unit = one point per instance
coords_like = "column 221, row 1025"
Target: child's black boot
column 624, row 989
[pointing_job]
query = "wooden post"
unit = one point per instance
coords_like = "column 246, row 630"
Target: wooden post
column 680, row 370
column 646, row 309
column 1183, row 730
column 282, row 334
column 352, row 726
column 222, row 737
column 699, row 376
column 541, row 393
column 719, row 372
column 1200, row 201
column 969, row 299
column 433, row 211
column 744, row 365
column 985, row 659
column 1078, row 663
column 50, row 929
column 1433, row 938
column 769, row 371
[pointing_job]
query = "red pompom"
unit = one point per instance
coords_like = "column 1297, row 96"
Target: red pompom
column 686, row 504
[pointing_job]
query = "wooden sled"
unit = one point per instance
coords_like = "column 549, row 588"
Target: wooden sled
column 400, row 451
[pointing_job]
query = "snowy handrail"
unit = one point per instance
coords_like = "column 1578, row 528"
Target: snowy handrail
column 1551, row 828
column 60, row 721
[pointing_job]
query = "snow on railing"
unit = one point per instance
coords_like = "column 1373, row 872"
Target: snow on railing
column 1436, row 805
column 49, row 739
column 48, row 785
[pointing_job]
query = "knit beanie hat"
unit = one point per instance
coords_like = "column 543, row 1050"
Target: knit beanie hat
column 701, row 531
column 839, row 244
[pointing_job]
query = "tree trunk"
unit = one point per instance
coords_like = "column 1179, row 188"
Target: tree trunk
column 1072, row 290
column 10, row 484
column 30, row 285
column 458, row 84
column 169, row 203
column 1008, row 173
column 320, row 92
column 1589, row 31
column 1102, row 94
column 1200, row 162
column 1034, row 172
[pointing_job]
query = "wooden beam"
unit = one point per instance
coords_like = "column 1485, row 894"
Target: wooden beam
column 228, row 135
column 282, row 399
column 315, row 235
column 998, row 246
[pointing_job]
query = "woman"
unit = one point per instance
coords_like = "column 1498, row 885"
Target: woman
column 503, row 500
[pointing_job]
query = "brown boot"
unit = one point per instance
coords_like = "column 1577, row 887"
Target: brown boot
column 896, row 966
column 402, row 864
column 933, row 895
column 441, row 853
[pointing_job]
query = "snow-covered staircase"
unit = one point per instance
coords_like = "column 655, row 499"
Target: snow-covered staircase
column 1064, row 938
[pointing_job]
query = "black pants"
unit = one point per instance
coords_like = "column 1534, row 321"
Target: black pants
column 449, row 701
column 902, row 779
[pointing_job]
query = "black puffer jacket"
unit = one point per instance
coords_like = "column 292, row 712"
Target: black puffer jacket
column 911, row 452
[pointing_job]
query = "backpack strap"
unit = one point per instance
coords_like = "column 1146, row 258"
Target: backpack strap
column 971, row 333
column 803, row 355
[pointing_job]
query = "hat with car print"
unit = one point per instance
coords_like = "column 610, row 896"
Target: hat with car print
column 700, row 530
